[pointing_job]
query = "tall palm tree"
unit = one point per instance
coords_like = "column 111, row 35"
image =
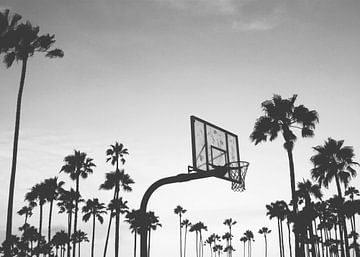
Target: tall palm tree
column 38, row 193
column 179, row 211
column 282, row 116
column 117, row 207
column 278, row 210
column 306, row 189
column 353, row 208
column 78, row 237
column 52, row 190
column 265, row 231
column 27, row 211
column 117, row 180
column 250, row 237
column 77, row 165
column 210, row 240
column 218, row 248
column 333, row 160
column 185, row 223
column 244, row 240
column 230, row 222
column 95, row 209
column 149, row 222
column 67, row 200
column 197, row 228
column 227, row 237
column 19, row 41
column 59, row 240
column 133, row 218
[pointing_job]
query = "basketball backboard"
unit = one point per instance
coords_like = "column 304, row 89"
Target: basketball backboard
column 214, row 148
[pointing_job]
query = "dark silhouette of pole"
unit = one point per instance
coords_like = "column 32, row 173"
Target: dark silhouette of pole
column 164, row 181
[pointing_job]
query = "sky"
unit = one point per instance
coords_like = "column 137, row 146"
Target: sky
column 134, row 72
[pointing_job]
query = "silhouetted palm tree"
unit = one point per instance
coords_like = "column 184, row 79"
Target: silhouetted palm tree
column 210, row 241
column 52, row 188
column 229, row 222
column 250, row 237
column 27, row 211
column 227, row 237
column 351, row 208
column 19, row 41
column 334, row 161
column 77, row 165
column 218, row 248
column 133, row 218
column 150, row 222
column 281, row 116
column 95, row 209
column 38, row 193
column 278, row 211
column 179, row 211
column 197, row 228
column 60, row 240
column 244, row 240
column 117, row 180
column 185, row 223
column 78, row 237
column 67, row 200
column 265, row 231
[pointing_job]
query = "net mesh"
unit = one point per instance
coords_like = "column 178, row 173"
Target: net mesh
column 237, row 173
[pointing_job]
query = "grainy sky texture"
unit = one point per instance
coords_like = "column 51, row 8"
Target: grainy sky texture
column 134, row 71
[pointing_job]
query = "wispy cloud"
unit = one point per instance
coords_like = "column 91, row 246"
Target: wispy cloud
column 262, row 23
column 224, row 7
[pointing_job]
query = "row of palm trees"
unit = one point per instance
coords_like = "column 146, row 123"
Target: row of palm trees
column 32, row 242
column 214, row 241
column 332, row 161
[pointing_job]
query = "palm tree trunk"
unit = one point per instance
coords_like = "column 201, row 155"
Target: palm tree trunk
column 343, row 229
column 14, row 159
column 135, row 243
column 298, row 252
column 180, row 234
column 93, row 237
column 117, row 228
column 288, row 227
column 79, row 250
column 148, row 250
column 76, row 212
column 50, row 215
column 107, row 235
column 40, row 219
column 69, row 233
column 185, row 241
column 279, row 232
column 265, row 245
column 197, row 245
column 282, row 239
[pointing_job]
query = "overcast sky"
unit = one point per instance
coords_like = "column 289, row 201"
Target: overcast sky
column 134, row 72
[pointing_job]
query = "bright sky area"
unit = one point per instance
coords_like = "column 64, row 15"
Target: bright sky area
column 134, row 72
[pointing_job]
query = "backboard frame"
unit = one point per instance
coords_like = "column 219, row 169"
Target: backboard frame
column 209, row 164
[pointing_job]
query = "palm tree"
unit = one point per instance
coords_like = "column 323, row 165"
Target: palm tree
column 197, row 228
column 133, row 218
column 281, row 116
column 27, row 211
column 78, row 237
column 185, row 223
column 305, row 190
column 38, row 193
column 353, row 206
column 278, row 211
column 59, row 240
column 95, row 209
column 218, row 248
column 229, row 222
column 210, row 240
column 117, row 207
column 250, row 237
column 117, row 180
column 19, row 41
column 52, row 188
column 77, row 165
column 333, row 160
column 265, row 231
column 244, row 240
column 149, row 222
column 227, row 236
column 67, row 200
column 179, row 211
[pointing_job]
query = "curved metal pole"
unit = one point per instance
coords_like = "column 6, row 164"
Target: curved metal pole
column 159, row 183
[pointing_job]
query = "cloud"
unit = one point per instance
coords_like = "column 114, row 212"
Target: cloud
column 263, row 23
column 223, row 7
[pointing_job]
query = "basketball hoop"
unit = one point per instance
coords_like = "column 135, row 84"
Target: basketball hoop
column 236, row 173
